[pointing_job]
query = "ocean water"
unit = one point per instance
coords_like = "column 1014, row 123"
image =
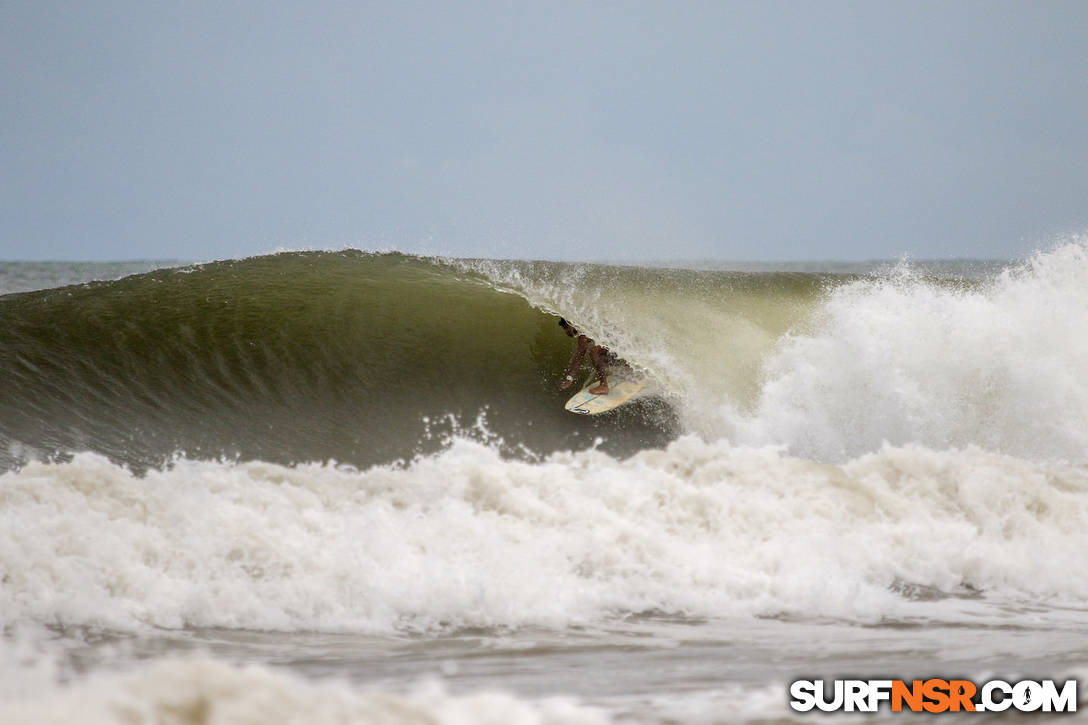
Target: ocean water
column 340, row 487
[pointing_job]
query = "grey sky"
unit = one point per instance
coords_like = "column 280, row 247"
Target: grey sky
column 604, row 130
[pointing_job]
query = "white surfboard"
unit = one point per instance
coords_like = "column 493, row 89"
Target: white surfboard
column 622, row 387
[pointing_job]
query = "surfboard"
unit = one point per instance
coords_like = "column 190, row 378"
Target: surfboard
column 622, row 387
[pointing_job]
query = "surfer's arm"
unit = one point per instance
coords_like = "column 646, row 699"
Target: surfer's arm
column 575, row 361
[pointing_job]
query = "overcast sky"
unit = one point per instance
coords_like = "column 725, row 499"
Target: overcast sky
column 566, row 130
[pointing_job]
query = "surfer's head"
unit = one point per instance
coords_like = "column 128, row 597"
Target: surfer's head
column 567, row 327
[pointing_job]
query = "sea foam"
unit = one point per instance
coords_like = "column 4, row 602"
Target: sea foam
column 466, row 538
column 205, row 690
column 904, row 359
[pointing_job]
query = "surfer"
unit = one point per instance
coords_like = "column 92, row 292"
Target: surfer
column 598, row 355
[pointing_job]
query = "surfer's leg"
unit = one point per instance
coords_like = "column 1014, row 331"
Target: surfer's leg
column 598, row 355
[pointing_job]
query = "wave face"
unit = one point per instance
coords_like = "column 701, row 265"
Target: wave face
column 294, row 357
column 369, row 358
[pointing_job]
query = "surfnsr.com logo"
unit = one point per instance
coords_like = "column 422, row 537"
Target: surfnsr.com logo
column 933, row 695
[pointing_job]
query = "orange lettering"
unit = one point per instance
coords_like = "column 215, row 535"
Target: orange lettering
column 936, row 691
column 912, row 695
column 961, row 692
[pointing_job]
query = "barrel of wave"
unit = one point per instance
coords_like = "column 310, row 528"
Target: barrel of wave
column 700, row 336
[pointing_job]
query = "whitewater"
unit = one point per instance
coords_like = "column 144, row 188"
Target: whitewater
column 340, row 486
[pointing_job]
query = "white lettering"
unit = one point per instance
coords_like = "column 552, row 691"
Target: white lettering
column 835, row 702
column 879, row 691
column 803, row 693
column 1065, row 701
column 988, row 701
column 856, row 695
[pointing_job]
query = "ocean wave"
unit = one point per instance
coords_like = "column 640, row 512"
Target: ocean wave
column 293, row 357
column 201, row 690
column 371, row 358
column 900, row 359
column 468, row 538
